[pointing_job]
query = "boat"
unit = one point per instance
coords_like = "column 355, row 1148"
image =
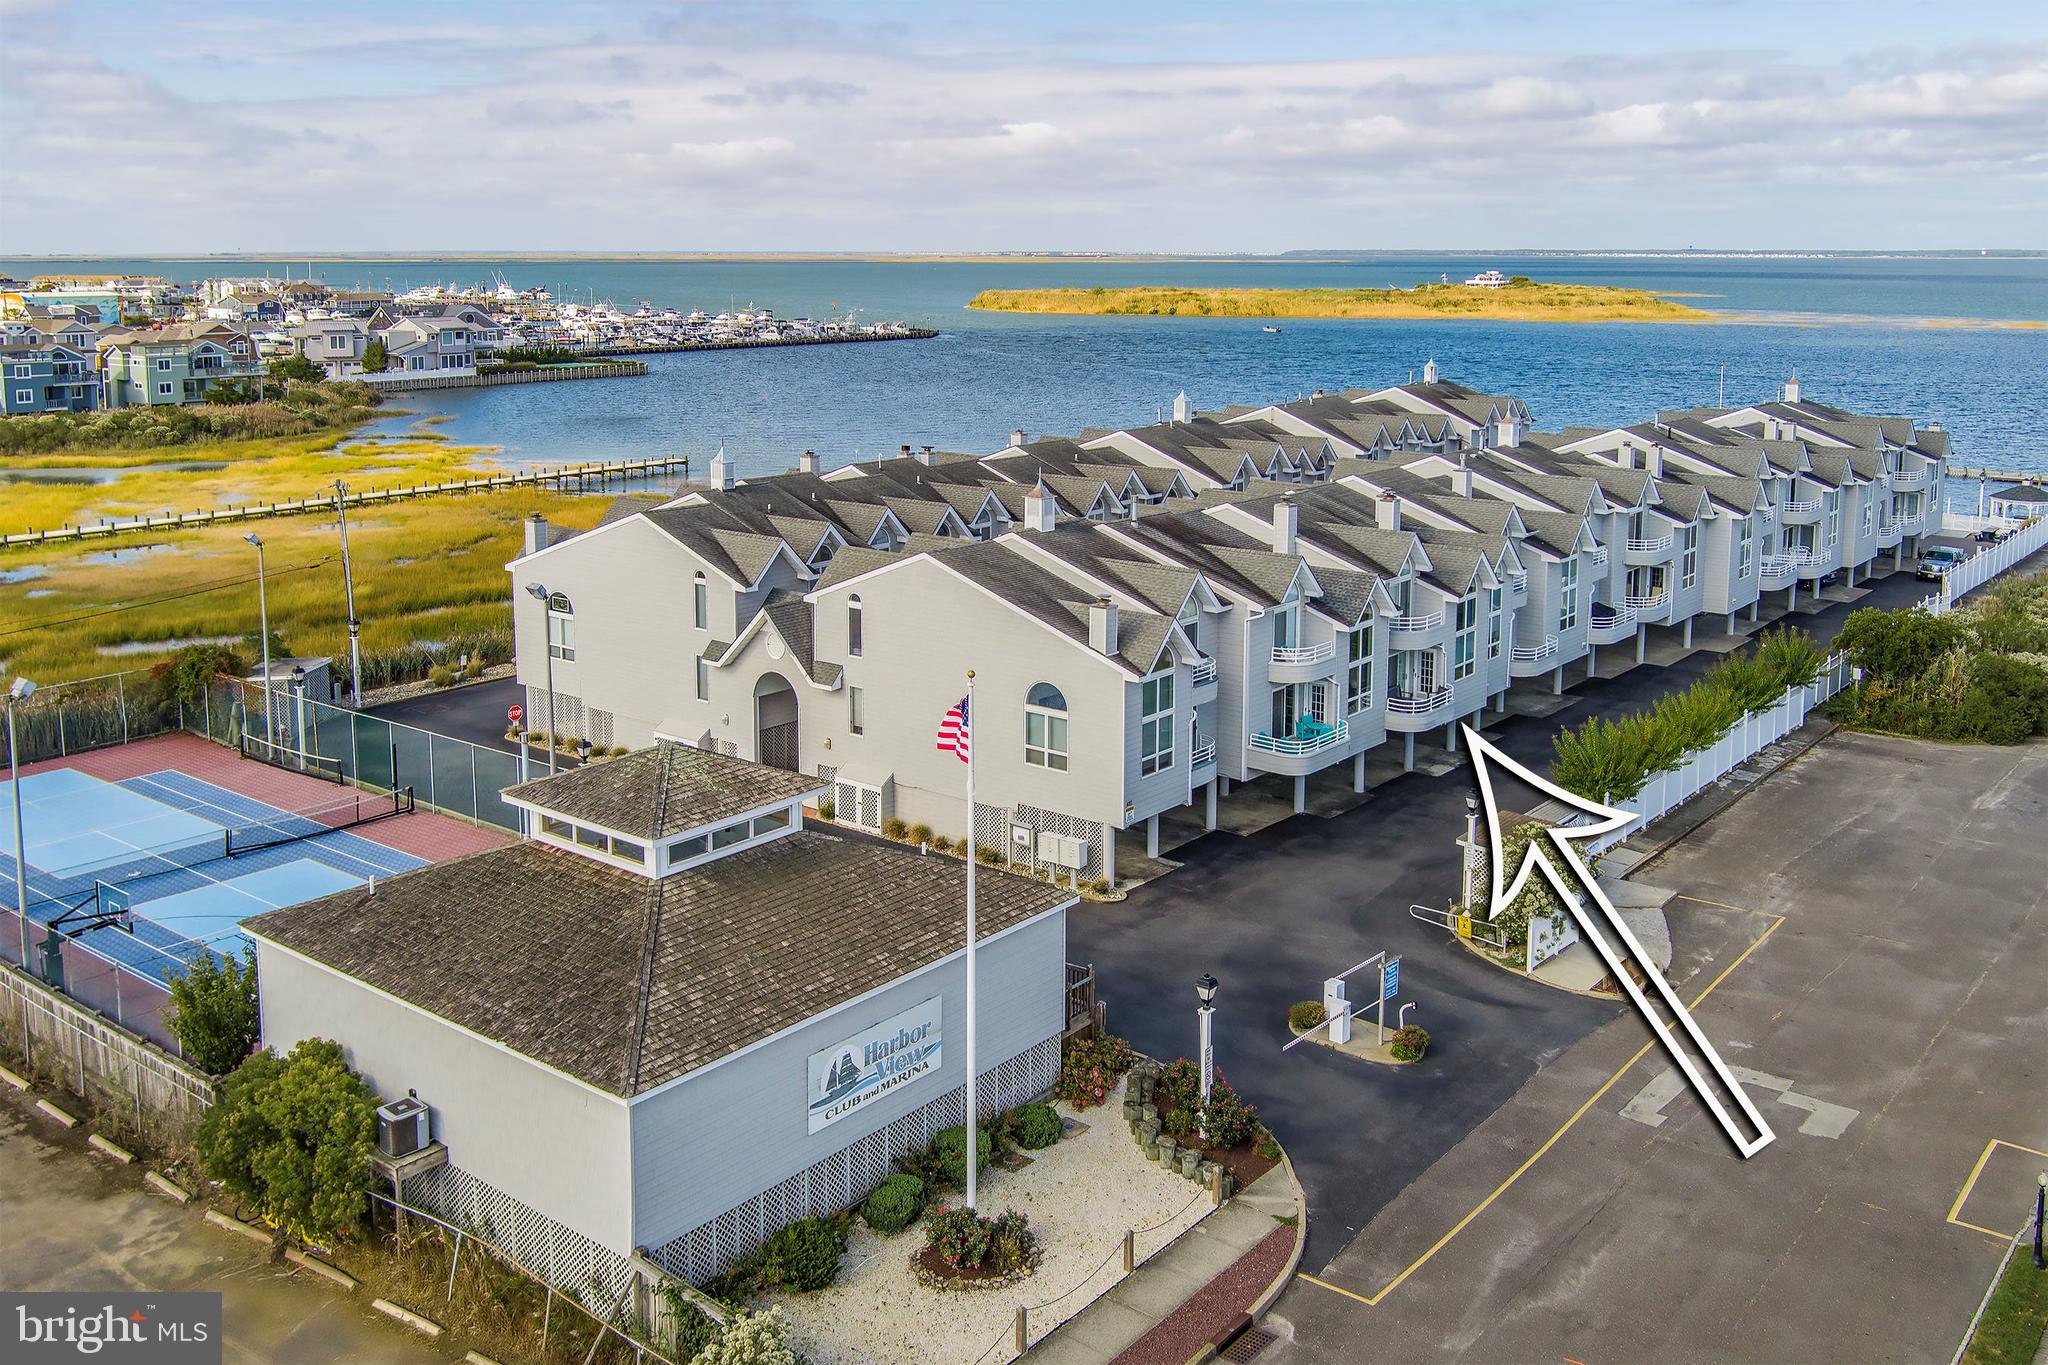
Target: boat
column 1269, row 328
column 1487, row 279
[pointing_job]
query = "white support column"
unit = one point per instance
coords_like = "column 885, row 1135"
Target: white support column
column 1209, row 803
column 1358, row 771
column 1592, row 662
column 1731, row 623
column 1109, row 854
column 1557, row 681
column 1451, row 732
column 1755, row 607
column 1642, row 641
column 1408, row 751
column 1152, row 836
column 1792, row 596
column 1688, row 632
column 1300, row 793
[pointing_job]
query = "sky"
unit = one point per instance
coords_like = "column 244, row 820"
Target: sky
column 887, row 126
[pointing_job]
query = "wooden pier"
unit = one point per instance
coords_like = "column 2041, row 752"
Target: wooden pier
column 406, row 382
column 570, row 476
column 907, row 334
column 2027, row 476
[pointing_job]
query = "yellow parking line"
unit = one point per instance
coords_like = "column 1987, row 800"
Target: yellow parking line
column 1372, row 1300
column 1963, row 1195
column 1718, row 905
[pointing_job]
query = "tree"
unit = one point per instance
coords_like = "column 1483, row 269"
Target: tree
column 231, row 392
column 214, row 1014
column 293, row 1136
column 1897, row 646
column 296, row 367
column 376, row 358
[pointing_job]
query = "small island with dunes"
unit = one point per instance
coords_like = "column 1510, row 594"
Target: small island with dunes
column 1519, row 300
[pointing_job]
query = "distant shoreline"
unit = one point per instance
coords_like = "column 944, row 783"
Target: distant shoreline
column 1524, row 301
column 1334, row 256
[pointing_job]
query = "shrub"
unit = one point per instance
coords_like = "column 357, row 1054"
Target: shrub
column 961, row 1237
column 1012, row 1246
column 1227, row 1120
column 895, row 1204
column 1304, row 1015
column 293, row 1136
column 1100, row 886
column 297, row 367
column 826, row 810
column 440, row 675
column 214, row 1012
column 694, row 1329
column 802, row 1256
column 1231, row 1120
column 1897, row 646
column 1536, row 901
column 892, row 828
column 1090, row 1068
column 1038, row 1126
column 989, row 854
column 920, row 833
column 751, row 1339
column 950, row 1146
column 1409, row 1043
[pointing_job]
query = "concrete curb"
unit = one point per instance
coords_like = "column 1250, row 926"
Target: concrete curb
column 8, row 1076
column 58, row 1114
column 325, row 1271
column 106, row 1148
column 424, row 1326
column 1272, row 1292
column 227, row 1224
column 163, row 1186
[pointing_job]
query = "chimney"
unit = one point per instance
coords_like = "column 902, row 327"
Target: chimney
column 1102, row 626
column 1017, row 437
column 924, row 456
column 1508, row 432
column 1653, row 460
column 1317, row 394
column 1464, row 475
column 1286, row 520
column 721, row 470
column 1792, row 388
column 807, row 463
column 1387, row 511
column 1038, row 511
column 536, row 533
column 903, row 452
column 1429, row 371
column 1183, row 410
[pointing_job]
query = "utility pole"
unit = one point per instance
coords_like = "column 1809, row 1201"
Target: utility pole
column 348, row 586
column 263, row 621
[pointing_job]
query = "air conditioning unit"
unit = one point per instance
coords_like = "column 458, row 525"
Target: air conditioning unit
column 402, row 1127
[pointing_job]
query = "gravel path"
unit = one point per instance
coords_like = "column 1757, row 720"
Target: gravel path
column 1080, row 1195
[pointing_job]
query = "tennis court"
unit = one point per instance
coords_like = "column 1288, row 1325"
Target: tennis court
column 177, row 862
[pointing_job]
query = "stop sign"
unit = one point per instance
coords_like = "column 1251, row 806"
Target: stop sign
column 514, row 714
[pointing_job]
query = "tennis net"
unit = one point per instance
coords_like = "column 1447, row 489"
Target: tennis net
column 298, row 760
column 358, row 808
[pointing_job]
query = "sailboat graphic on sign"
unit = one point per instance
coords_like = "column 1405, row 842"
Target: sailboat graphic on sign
column 843, row 1078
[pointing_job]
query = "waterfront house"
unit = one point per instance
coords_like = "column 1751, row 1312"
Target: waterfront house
column 46, row 376
column 336, row 344
column 433, row 343
column 173, row 363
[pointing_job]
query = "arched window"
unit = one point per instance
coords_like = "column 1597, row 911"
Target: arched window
column 561, row 617
column 853, row 625
column 700, row 596
column 1045, row 728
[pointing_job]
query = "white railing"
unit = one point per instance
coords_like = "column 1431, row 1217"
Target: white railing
column 1421, row 704
column 1203, row 755
column 1653, row 601
column 1328, row 738
column 1803, row 506
column 1987, row 564
column 1303, row 654
column 1203, row 670
column 1667, row 791
column 1518, row 579
column 1906, row 483
column 1778, row 566
column 1615, row 617
column 1529, row 654
column 1649, row 544
column 1416, row 623
column 1811, row 559
column 1599, row 556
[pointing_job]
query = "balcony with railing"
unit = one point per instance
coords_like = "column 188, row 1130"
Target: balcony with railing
column 1649, row 606
column 1303, row 654
column 1607, row 625
column 1297, row 752
column 1650, row 549
column 1408, row 632
column 1889, row 532
column 1776, row 570
column 1903, row 482
column 1302, row 663
column 1528, row 660
column 1599, row 556
column 1802, row 511
column 1418, row 710
column 1518, row 580
column 1202, row 672
column 1203, row 755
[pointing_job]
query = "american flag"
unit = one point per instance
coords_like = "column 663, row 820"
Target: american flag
column 953, row 731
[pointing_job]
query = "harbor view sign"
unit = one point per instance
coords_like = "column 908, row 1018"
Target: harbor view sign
column 875, row 1061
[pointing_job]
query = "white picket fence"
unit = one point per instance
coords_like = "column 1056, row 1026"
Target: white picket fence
column 1667, row 791
column 1985, row 565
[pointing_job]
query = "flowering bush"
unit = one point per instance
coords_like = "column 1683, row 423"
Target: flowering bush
column 751, row 1339
column 1409, row 1043
column 1228, row 1118
column 1231, row 1119
column 1090, row 1069
column 1004, row 1244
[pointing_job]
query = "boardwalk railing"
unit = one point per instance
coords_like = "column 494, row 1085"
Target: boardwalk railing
column 579, row 475
column 1989, row 562
column 1668, row 790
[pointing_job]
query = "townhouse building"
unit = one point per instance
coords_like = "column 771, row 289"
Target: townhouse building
column 1155, row 615
column 47, row 377
column 430, row 342
column 336, row 344
column 171, row 364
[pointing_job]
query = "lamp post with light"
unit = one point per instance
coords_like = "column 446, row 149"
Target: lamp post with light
column 1205, row 1012
column 540, row 592
column 18, row 691
column 2040, row 1208
column 1471, row 843
column 263, row 622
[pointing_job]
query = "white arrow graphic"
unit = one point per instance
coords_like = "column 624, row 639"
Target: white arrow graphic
column 1602, row 924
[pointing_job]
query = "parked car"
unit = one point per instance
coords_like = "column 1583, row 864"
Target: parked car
column 1939, row 561
column 1991, row 535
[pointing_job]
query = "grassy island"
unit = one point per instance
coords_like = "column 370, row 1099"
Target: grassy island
column 1522, row 300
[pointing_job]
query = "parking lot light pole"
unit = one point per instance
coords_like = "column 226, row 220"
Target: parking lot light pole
column 19, row 691
column 1471, row 843
column 540, row 592
column 263, row 623
column 1205, row 993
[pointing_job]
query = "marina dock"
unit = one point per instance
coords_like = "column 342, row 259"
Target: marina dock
column 748, row 343
column 577, row 477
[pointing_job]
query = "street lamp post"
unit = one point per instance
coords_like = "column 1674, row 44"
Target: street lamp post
column 1471, row 843
column 2040, row 1208
column 18, row 691
column 299, row 710
column 536, row 590
column 1205, row 993
column 263, row 623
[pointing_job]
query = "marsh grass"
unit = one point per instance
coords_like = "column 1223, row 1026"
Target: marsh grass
column 1521, row 302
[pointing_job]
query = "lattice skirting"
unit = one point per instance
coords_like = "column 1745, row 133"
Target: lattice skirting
column 568, row 712
column 1089, row 832
column 844, row 1178
column 560, row 1255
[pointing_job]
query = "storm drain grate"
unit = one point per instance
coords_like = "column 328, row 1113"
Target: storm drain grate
column 1248, row 1344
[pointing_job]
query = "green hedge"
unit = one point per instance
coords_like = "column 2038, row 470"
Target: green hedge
column 1979, row 674
column 1612, row 759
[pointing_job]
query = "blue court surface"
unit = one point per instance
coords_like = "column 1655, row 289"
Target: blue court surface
column 163, row 841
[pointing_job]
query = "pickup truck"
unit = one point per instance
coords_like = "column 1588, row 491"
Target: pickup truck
column 1938, row 561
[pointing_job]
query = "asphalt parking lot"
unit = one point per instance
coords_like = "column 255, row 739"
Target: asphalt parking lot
column 1869, row 931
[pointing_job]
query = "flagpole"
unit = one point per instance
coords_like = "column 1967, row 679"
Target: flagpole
column 973, row 1129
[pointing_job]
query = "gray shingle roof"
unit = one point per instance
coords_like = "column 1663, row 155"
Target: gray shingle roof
column 628, row 983
column 663, row 790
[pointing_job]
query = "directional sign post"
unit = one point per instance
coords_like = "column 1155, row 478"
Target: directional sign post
column 1603, row 926
column 1390, row 986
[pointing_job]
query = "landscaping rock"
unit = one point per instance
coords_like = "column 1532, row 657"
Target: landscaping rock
column 1148, row 1133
